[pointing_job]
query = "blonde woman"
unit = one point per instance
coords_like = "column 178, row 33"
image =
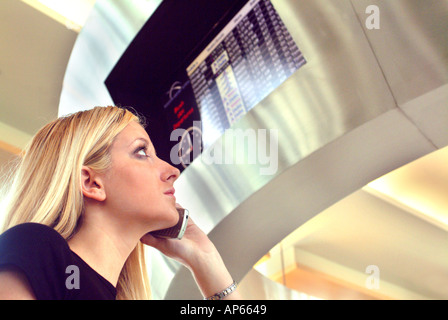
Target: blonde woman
column 88, row 190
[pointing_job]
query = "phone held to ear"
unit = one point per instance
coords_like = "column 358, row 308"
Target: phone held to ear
column 176, row 232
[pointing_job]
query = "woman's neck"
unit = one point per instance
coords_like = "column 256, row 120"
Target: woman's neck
column 103, row 245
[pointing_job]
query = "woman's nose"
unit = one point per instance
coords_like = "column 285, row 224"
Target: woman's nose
column 169, row 172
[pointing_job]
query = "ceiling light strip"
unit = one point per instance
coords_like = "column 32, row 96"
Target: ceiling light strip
column 54, row 15
column 410, row 209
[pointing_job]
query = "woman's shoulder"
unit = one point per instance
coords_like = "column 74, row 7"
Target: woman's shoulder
column 32, row 242
column 33, row 234
column 41, row 254
column 31, row 227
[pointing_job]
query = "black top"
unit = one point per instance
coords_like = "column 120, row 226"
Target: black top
column 52, row 269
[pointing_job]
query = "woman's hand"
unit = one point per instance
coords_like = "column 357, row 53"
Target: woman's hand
column 193, row 244
column 199, row 255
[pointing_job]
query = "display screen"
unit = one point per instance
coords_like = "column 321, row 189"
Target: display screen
column 248, row 59
column 245, row 57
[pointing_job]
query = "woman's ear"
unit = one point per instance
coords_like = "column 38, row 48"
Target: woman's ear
column 91, row 184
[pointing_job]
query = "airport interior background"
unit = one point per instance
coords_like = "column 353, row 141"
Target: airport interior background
column 356, row 206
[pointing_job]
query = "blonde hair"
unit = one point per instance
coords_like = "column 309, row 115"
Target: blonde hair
column 47, row 184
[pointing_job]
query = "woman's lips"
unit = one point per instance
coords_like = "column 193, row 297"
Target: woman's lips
column 170, row 192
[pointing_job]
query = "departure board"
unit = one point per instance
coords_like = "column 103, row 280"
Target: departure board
column 252, row 55
column 197, row 67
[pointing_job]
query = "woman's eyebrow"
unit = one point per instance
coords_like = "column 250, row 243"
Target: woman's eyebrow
column 146, row 142
column 141, row 139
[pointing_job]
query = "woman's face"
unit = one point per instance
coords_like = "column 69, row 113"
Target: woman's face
column 138, row 185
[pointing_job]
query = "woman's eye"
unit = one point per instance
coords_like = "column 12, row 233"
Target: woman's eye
column 142, row 152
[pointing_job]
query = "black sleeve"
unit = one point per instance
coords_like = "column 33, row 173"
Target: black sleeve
column 41, row 254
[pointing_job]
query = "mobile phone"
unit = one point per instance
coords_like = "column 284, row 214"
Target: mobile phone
column 176, row 232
